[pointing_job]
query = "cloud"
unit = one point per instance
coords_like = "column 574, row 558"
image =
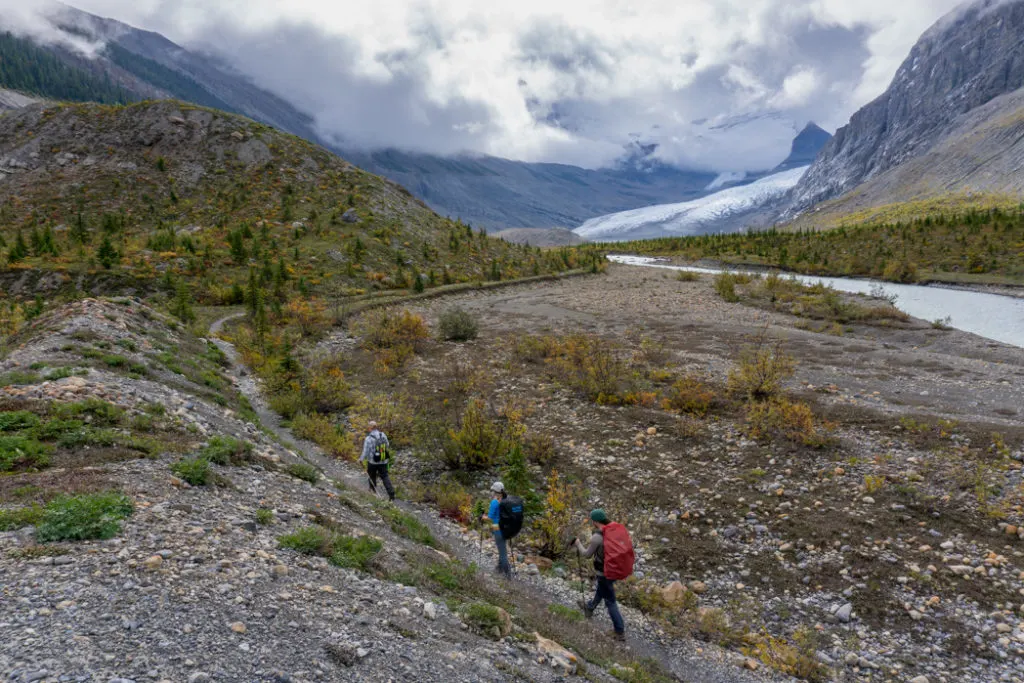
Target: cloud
column 713, row 84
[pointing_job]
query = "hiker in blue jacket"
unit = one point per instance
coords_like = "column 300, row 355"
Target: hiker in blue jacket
column 494, row 517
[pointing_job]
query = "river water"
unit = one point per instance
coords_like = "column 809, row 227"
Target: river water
column 987, row 315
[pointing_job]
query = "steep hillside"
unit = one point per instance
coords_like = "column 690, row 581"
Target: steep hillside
column 151, row 531
column 155, row 190
column 806, row 146
column 976, row 164
column 965, row 61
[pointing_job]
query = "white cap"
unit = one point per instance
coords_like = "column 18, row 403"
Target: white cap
column 498, row 487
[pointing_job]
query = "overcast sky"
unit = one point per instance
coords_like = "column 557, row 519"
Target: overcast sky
column 717, row 84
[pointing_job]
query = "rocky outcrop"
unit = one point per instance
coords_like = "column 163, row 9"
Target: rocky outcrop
column 967, row 59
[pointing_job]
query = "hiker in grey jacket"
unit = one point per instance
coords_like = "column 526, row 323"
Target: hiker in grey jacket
column 372, row 456
column 605, row 587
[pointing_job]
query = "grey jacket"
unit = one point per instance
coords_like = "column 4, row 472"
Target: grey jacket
column 595, row 550
column 370, row 445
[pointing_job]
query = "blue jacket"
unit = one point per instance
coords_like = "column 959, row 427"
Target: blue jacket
column 493, row 513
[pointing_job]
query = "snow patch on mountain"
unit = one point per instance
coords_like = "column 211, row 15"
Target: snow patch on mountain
column 699, row 216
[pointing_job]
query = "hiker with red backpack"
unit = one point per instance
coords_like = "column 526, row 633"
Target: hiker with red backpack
column 505, row 516
column 612, row 550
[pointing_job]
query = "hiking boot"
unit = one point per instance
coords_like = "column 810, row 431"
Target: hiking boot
column 621, row 637
column 588, row 611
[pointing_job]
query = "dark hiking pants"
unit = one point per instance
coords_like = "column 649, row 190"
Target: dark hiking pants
column 381, row 471
column 606, row 593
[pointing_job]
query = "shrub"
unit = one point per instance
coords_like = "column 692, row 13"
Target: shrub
column 479, row 441
column 325, row 387
column 392, row 411
column 554, row 526
column 539, row 448
column 534, row 349
column 290, row 402
column 18, row 377
column 226, row 450
column 18, row 452
column 687, row 276
column 792, row 421
column 798, row 659
column 690, row 395
column 13, row 421
column 385, row 329
column 900, row 271
column 102, row 413
column 355, row 552
column 457, row 324
column 591, row 366
column 304, row 472
column 195, row 471
column 761, row 371
column 486, row 619
column 20, row 517
column 56, row 428
column 725, row 285
column 264, row 516
column 310, row 540
column 453, row 501
column 321, row 431
column 89, row 516
column 873, row 483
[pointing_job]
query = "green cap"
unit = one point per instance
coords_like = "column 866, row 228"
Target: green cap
column 599, row 516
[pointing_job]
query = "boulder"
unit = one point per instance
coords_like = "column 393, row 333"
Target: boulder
column 698, row 587
column 557, row 656
column 674, row 593
column 350, row 216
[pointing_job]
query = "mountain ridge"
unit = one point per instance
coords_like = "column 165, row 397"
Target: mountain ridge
column 966, row 60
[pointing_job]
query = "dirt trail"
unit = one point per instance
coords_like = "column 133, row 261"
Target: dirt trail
column 683, row 660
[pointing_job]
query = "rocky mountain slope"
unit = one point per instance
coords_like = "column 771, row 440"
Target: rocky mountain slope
column 963, row 63
column 215, row 564
column 157, row 190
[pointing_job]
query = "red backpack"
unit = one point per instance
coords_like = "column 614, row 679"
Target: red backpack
column 618, row 552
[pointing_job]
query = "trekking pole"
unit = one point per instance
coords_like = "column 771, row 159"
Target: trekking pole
column 579, row 572
column 512, row 555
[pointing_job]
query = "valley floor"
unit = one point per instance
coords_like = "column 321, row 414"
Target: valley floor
column 891, row 542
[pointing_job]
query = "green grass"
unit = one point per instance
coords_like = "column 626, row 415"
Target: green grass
column 22, row 452
column 567, row 613
column 102, row 413
column 406, row 525
column 85, row 517
column 304, row 472
column 264, row 516
column 353, row 552
column 195, row 471
column 20, row 517
column 226, row 450
column 13, row 421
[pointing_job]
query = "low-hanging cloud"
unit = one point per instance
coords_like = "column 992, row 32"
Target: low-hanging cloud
column 711, row 84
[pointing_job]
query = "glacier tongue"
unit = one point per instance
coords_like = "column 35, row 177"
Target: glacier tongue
column 693, row 217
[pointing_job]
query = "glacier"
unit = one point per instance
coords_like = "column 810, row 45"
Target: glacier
column 699, row 216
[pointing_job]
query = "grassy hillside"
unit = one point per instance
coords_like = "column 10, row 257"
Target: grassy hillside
column 971, row 246
column 151, row 195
